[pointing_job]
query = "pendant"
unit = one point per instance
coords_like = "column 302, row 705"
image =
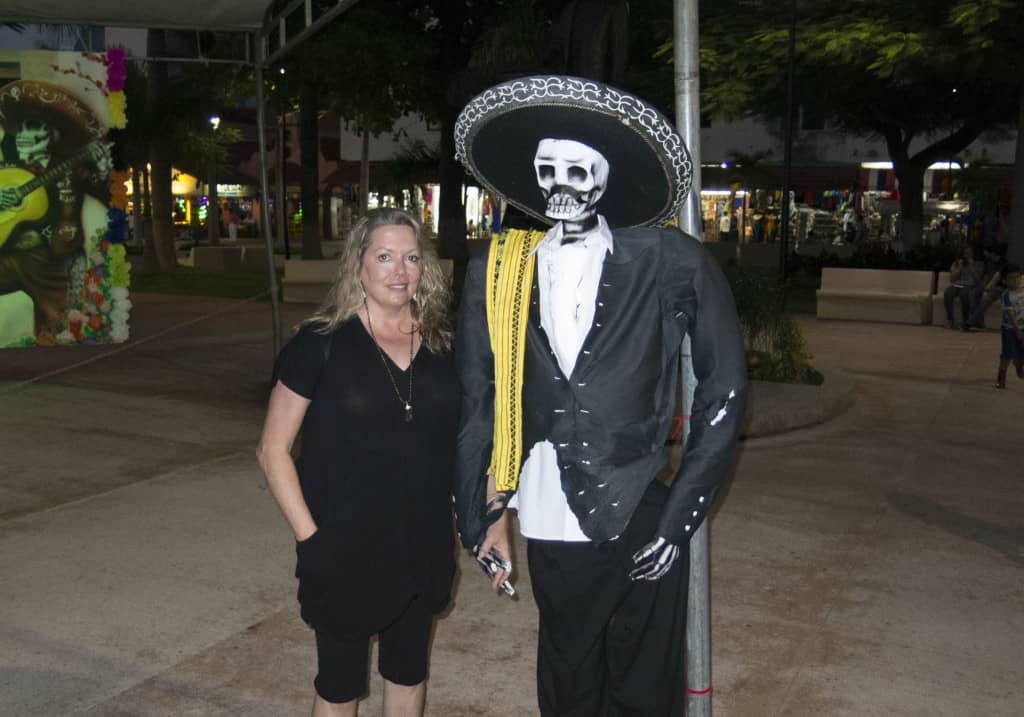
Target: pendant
column 408, row 413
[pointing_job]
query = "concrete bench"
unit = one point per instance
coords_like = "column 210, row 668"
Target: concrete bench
column 254, row 259
column 229, row 258
column 214, row 258
column 307, row 280
column 876, row 295
column 993, row 314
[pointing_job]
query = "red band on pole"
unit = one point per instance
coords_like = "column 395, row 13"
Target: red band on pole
column 698, row 692
column 677, row 425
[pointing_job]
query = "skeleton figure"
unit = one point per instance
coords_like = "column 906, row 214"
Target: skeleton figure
column 572, row 177
column 567, row 352
column 34, row 256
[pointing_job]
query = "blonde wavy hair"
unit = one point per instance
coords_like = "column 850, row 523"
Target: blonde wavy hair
column 431, row 303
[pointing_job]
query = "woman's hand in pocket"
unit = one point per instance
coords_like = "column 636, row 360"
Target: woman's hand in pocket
column 316, row 555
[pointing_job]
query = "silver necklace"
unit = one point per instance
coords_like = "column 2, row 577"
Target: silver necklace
column 406, row 402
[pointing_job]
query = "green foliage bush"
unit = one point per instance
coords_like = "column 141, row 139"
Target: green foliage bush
column 776, row 350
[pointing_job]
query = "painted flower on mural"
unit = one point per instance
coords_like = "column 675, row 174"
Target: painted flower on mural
column 101, row 313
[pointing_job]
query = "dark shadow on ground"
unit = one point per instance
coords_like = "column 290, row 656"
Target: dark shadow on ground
column 1009, row 541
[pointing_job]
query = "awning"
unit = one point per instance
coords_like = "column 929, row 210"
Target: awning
column 209, row 15
column 280, row 24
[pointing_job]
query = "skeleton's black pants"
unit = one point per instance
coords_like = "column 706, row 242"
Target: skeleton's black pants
column 609, row 647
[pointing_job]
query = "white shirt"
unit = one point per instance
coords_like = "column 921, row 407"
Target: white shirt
column 567, row 278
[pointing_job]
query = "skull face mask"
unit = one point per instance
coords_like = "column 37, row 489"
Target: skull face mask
column 32, row 142
column 572, row 176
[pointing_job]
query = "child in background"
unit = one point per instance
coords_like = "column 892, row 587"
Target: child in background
column 1013, row 325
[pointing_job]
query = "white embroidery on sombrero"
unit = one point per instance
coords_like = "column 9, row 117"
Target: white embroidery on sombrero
column 19, row 94
column 632, row 111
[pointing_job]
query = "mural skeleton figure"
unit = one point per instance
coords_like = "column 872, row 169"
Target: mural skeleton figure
column 568, row 352
column 51, row 157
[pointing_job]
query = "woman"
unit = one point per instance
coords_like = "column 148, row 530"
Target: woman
column 370, row 380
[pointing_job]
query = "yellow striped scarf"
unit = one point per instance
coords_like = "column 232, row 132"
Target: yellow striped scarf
column 510, row 266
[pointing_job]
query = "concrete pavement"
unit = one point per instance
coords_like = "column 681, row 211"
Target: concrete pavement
column 872, row 564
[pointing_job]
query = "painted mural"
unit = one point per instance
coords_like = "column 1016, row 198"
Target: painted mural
column 63, row 272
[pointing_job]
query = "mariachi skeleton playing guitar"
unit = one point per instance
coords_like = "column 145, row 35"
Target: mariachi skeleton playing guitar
column 41, row 198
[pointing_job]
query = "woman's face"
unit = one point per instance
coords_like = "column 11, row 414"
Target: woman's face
column 391, row 269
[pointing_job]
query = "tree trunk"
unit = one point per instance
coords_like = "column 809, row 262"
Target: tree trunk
column 1015, row 251
column 364, row 175
column 159, row 255
column 150, row 264
column 327, row 228
column 212, row 206
column 595, row 39
column 451, row 214
column 281, row 195
column 137, row 229
column 309, row 151
column 163, row 208
column 147, row 198
column 911, row 179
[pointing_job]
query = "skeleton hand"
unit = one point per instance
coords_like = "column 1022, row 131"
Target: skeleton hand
column 8, row 199
column 104, row 161
column 654, row 560
column 65, row 190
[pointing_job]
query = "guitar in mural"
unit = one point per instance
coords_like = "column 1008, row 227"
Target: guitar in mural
column 23, row 196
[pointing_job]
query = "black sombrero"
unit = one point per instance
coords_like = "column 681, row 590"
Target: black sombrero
column 497, row 133
column 52, row 104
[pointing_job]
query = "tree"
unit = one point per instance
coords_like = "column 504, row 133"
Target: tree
column 382, row 60
column 370, row 66
column 895, row 69
column 479, row 44
column 208, row 146
column 168, row 111
column 999, row 23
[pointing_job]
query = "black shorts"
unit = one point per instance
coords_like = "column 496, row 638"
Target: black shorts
column 402, row 656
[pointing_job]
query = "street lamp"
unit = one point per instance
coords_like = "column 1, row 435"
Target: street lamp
column 212, row 200
column 952, row 130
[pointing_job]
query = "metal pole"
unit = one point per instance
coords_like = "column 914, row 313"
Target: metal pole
column 687, row 90
column 281, row 192
column 268, row 240
column 787, row 157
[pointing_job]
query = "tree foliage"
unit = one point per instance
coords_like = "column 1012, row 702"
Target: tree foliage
column 384, row 59
column 906, row 71
column 867, row 64
column 371, row 65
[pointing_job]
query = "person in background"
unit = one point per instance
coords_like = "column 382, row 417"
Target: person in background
column 965, row 277
column 1013, row 326
column 994, row 284
column 370, row 380
column 231, row 221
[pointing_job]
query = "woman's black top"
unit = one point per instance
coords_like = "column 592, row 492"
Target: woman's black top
column 379, row 488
